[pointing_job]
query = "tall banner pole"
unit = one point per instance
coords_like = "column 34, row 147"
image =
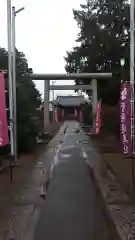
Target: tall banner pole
column 10, row 75
column 14, row 84
column 10, row 84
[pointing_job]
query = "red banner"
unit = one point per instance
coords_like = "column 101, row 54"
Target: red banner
column 98, row 118
column 125, row 118
column 3, row 115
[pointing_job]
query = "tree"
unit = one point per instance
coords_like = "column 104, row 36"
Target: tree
column 102, row 41
column 28, row 100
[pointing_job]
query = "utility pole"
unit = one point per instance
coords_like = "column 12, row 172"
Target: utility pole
column 14, row 83
column 10, row 85
column 14, row 13
column 132, row 49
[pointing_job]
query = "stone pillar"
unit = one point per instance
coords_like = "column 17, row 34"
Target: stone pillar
column 78, row 114
column 81, row 115
column 53, row 114
column 94, row 103
column 62, row 112
column 46, row 103
column 56, row 114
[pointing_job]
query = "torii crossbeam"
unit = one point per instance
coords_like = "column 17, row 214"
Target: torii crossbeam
column 70, row 76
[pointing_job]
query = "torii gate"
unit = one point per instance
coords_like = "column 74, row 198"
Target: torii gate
column 48, row 87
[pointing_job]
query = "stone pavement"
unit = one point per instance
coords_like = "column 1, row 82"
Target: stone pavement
column 19, row 219
column 119, row 208
column 73, row 207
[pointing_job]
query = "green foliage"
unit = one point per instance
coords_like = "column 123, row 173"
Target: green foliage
column 102, row 41
column 28, row 100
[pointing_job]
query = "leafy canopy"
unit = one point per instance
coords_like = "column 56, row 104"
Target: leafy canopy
column 28, row 100
column 102, row 41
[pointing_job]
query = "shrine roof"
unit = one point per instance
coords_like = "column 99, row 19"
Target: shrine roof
column 69, row 101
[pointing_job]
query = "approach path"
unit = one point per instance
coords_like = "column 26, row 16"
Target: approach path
column 71, row 210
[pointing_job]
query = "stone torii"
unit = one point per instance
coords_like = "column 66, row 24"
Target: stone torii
column 73, row 76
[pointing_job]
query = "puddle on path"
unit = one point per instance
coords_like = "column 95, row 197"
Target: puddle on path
column 66, row 155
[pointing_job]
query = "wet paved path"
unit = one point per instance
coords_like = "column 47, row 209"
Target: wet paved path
column 71, row 210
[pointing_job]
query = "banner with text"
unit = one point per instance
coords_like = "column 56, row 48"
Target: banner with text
column 98, row 118
column 125, row 118
column 3, row 114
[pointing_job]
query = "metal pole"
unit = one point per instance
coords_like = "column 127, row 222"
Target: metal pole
column 10, row 87
column 46, row 104
column 10, row 75
column 14, row 82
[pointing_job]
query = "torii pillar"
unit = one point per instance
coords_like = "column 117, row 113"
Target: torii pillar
column 94, row 103
column 46, row 103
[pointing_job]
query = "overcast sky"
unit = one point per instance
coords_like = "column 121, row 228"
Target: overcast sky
column 45, row 30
